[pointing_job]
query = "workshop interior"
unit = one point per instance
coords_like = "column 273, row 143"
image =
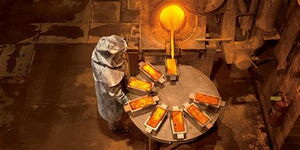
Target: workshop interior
column 200, row 74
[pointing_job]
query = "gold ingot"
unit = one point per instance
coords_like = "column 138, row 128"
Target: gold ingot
column 210, row 100
column 151, row 71
column 178, row 122
column 139, row 84
column 198, row 114
column 156, row 117
column 171, row 67
column 141, row 103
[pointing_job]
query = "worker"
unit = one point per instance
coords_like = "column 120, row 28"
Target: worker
column 108, row 66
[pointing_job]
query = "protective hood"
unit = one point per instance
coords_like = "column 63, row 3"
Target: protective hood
column 109, row 51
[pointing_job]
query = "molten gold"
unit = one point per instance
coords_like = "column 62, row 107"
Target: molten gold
column 172, row 18
column 210, row 100
column 171, row 66
column 197, row 114
column 141, row 102
column 156, row 117
column 178, row 122
column 151, row 71
column 139, row 84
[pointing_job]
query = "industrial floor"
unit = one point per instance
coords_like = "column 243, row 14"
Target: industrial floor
column 49, row 103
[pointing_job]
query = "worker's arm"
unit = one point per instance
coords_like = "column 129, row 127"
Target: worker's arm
column 116, row 91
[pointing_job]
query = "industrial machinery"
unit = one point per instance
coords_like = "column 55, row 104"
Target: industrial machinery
column 176, row 34
column 180, row 30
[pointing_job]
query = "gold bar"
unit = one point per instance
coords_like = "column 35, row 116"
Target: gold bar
column 142, row 102
column 151, row 71
column 171, row 66
column 139, row 84
column 207, row 99
column 198, row 114
column 178, row 121
column 156, row 117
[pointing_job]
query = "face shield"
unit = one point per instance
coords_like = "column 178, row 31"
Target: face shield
column 112, row 48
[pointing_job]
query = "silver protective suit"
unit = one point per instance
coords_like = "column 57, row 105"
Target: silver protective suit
column 107, row 65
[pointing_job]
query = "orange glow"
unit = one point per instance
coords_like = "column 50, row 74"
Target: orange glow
column 139, row 84
column 171, row 67
column 177, row 118
column 156, row 117
column 172, row 18
column 197, row 114
column 152, row 71
column 210, row 100
column 141, row 102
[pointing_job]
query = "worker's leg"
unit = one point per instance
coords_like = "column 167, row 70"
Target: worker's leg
column 114, row 125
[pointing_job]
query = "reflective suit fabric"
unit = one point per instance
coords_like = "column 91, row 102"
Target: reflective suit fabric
column 108, row 76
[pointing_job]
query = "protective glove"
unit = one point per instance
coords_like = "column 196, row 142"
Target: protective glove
column 125, row 100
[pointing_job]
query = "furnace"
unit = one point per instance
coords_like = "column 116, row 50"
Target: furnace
column 172, row 18
column 159, row 16
column 169, row 33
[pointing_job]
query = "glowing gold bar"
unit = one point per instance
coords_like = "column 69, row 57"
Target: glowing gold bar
column 207, row 99
column 156, row 117
column 151, row 71
column 171, row 66
column 178, row 122
column 198, row 114
column 139, row 84
column 142, row 102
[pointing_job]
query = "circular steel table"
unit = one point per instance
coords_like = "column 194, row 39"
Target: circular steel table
column 190, row 81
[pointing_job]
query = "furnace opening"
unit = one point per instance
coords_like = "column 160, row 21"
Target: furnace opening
column 172, row 18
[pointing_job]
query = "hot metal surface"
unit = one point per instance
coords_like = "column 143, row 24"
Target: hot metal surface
column 198, row 114
column 178, row 121
column 156, row 117
column 207, row 99
column 151, row 71
column 139, row 84
column 171, row 67
column 142, row 102
column 191, row 80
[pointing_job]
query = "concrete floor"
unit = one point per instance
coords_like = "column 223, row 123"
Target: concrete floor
column 54, row 105
column 56, row 109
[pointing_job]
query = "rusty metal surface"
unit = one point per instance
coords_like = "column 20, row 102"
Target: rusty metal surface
column 15, row 60
column 212, row 5
column 190, row 80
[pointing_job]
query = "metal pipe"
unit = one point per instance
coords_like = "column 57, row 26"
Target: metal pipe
column 265, row 22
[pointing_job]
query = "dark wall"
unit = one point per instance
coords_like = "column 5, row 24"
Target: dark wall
column 282, row 74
